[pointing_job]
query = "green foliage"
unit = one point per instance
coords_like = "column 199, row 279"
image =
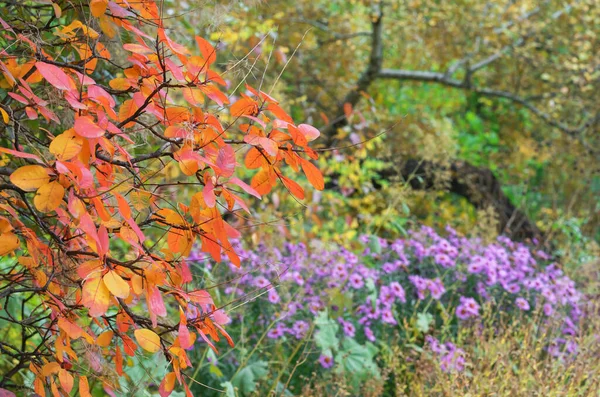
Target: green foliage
column 246, row 379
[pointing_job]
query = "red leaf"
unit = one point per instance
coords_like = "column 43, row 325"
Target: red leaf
column 247, row 188
column 85, row 127
column 226, row 161
column 55, row 76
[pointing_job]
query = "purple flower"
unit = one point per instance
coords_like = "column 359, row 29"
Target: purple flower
column 348, row 328
column 369, row 334
column 300, row 328
column 276, row 333
column 261, row 282
column 388, row 317
column 468, row 308
column 356, row 281
column 274, row 296
column 326, row 361
column 522, row 304
column 386, row 296
column 436, row 287
column 398, row 291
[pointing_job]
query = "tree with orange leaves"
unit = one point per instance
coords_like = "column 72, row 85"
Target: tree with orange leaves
column 93, row 145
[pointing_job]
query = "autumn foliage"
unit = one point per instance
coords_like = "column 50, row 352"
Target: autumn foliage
column 103, row 118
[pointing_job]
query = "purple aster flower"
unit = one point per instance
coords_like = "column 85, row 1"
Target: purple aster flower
column 369, row 334
column 274, row 296
column 522, row 304
column 398, row 291
column 436, row 287
column 388, row 317
column 356, row 281
column 261, row 282
column 349, row 329
column 300, row 328
column 276, row 333
column 326, row 361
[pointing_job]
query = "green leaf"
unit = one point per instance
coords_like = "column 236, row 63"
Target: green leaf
column 424, row 321
column 357, row 360
column 246, row 379
column 325, row 336
column 229, row 389
column 374, row 244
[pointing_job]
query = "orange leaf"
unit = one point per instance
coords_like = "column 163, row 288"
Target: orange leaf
column 30, row 177
column 293, row 187
column 105, row 338
column 313, row 174
column 254, row 159
column 244, row 106
column 116, row 284
column 8, row 243
column 119, row 83
column 66, row 380
column 84, row 387
column 127, row 109
column 262, row 182
column 148, row 340
column 50, row 368
column 98, row 7
column 207, row 50
column 49, row 196
column 193, row 96
column 167, row 385
column 73, row 330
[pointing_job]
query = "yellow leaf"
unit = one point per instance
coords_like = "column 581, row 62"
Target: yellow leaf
column 148, row 340
column 141, row 199
column 66, row 146
column 116, row 284
column 5, row 117
column 30, row 177
column 95, row 296
column 49, row 196
column 104, row 338
column 98, row 7
column 107, row 26
column 8, row 243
